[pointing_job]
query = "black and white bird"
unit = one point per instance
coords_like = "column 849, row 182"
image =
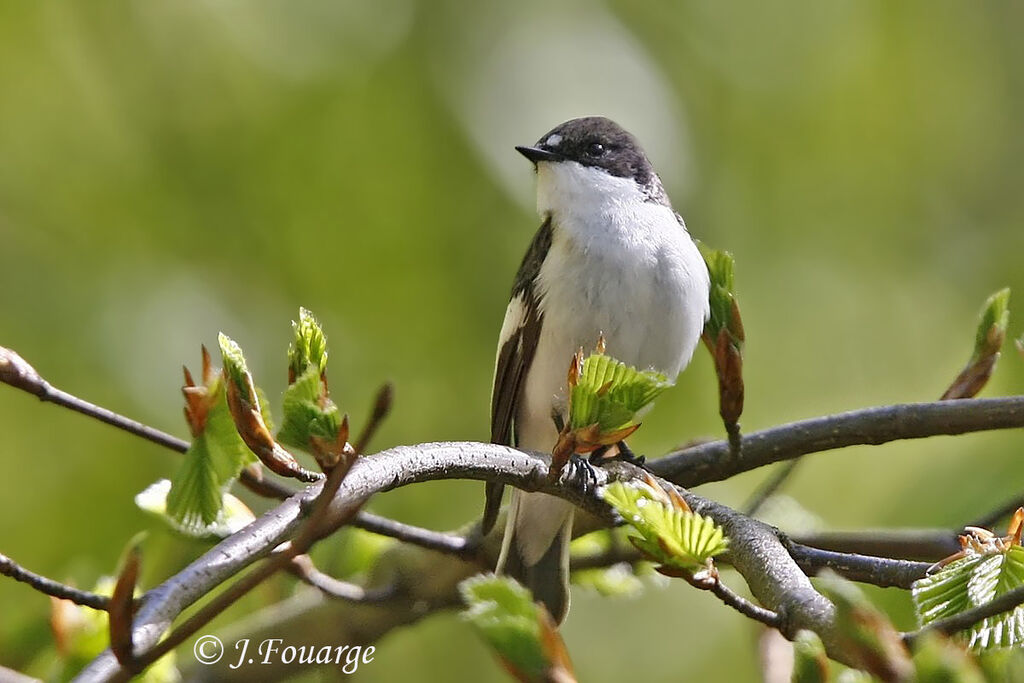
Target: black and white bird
column 611, row 258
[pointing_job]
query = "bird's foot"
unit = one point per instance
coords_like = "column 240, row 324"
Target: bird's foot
column 582, row 474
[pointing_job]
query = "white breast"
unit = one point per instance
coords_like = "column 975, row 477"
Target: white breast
column 619, row 265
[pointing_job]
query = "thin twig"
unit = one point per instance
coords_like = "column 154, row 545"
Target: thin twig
column 871, row 426
column 745, row 607
column 17, row 372
column 381, row 409
column 451, row 544
column 614, row 555
column 303, row 568
column 768, row 489
column 968, row 618
column 9, row 567
column 990, row 519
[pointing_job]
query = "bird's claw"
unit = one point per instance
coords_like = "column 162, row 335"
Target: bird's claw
column 582, row 474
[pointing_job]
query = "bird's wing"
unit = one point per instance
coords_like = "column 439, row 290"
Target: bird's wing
column 517, row 344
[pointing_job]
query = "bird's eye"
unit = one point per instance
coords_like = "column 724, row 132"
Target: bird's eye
column 595, row 149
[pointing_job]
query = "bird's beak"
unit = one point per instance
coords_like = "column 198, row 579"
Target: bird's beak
column 536, row 154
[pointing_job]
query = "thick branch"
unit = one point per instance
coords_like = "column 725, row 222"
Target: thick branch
column 384, row 471
column 871, row 426
column 924, row 545
column 757, row 553
column 879, row 571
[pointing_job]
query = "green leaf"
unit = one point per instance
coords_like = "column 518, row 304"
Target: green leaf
column 212, row 462
column 673, row 536
column 503, row 612
column 722, row 299
column 233, row 517
column 307, row 413
column 234, row 365
column 309, row 347
column 992, row 325
column 307, row 407
column 969, row 582
column 610, row 393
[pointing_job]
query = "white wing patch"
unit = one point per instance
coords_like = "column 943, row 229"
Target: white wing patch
column 515, row 318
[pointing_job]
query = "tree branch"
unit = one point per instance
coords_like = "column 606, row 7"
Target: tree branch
column 925, row 545
column 9, row 567
column 302, row 567
column 756, row 551
column 871, row 426
column 769, row 487
column 465, row 547
column 878, row 571
column 745, row 607
column 17, row 372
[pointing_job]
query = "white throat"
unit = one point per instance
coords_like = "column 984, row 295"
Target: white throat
column 568, row 188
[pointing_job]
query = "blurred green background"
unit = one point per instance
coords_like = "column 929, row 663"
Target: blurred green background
column 172, row 169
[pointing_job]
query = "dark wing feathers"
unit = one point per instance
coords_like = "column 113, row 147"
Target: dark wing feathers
column 514, row 359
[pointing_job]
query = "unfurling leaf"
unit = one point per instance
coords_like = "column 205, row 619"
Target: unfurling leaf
column 988, row 340
column 233, row 515
column 867, row 634
column 312, row 421
column 519, row 630
column 243, row 403
column 724, row 336
column 309, row 347
column 670, row 533
column 987, row 567
column 609, row 394
column 214, row 459
column 606, row 398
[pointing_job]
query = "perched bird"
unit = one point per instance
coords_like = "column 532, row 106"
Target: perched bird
column 611, row 258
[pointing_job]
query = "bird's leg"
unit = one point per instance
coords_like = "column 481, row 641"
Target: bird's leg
column 581, row 473
column 597, row 456
column 623, row 453
column 627, row 455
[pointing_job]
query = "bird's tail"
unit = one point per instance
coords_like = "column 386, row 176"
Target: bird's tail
column 535, row 550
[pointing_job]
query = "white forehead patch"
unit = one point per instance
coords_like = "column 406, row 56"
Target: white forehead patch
column 553, row 140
